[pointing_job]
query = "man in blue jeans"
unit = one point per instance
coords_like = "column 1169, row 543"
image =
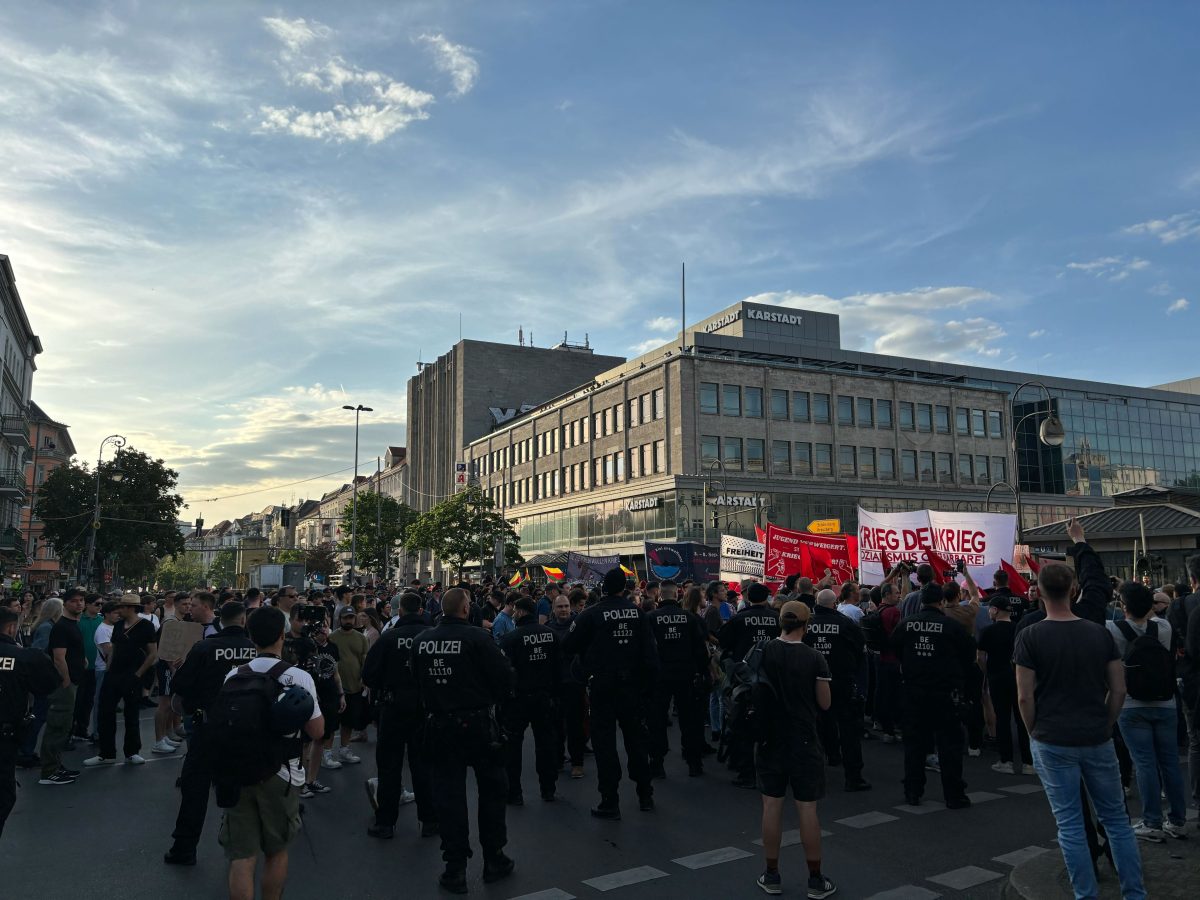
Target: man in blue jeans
column 1070, row 689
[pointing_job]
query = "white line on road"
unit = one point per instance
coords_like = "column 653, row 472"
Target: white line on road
column 550, row 894
column 1017, row 857
column 983, row 796
column 866, row 820
column 966, row 877
column 907, row 892
column 625, row 878
column 923, row 810
column 1023, row 789
column 711, row 857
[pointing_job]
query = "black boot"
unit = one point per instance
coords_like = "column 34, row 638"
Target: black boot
column 646, row 799
column 454, row 880
column 178, row 856
column 608, row 809
column 383, row 832
column 499, row 866
column 429, row 829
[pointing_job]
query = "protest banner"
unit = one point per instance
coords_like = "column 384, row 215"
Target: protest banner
column 590, row 569
column 177, row 638
column 681, row 560
column 791, row 552
column 741, row 558
column 981, row 540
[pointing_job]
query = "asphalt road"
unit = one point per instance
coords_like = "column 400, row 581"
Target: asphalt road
column 105, row 835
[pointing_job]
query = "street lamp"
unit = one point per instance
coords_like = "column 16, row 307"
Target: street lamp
column 685, row 518
column 1051, row 433
column 118, row 441
column 715, row 464
column 357, row 410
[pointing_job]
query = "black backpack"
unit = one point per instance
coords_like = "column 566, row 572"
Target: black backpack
column 242, row 747
column 873, row 631
column 1149, row 668
column 751, row 700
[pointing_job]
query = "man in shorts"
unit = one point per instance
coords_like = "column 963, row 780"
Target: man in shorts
column 799, row 680
column 267, row 815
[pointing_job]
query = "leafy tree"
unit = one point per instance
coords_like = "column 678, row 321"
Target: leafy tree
column 291, row 556
column 178, row 573
column 382, row 522
column 455, row 529
column 321, row 561
column 223, row 571
column 137, row 513
column 139, row 565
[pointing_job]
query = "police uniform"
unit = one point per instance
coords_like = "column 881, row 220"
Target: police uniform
column 197, row 682
column 756, row 623
column 387, row 671
column 935, row 653
column 839, row 639
column 462, row 676
column 682, row 642
column 22, row 672
column 572, row 700
column 533, row 651
column 615, row 645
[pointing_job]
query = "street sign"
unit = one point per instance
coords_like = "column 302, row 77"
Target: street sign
column 461, row 476
column 825, row 526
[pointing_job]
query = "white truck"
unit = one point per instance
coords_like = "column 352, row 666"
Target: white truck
column 273, row 576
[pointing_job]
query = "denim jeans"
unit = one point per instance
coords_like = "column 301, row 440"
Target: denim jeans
column 1150, row 734
column 1061, row 770
column 716, row 710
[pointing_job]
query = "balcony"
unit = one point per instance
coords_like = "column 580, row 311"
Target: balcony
column 12, row 483
column 15, row 429
column 12, row 541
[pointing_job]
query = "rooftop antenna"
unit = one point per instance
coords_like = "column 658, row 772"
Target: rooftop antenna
column 460, row 326
column 521, row 335
column 530, row 337
column 683, row 305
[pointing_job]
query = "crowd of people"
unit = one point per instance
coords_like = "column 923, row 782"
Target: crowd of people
column 1089, row 684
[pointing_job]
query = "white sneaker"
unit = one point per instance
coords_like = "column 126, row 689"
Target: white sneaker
column 1004, row 768
column 92, row 761
column 973, row 751
column 164, row 746
column 1144, row 832
column 1170, row 829
column 328, row 762
column 406, row 796
column 136, row 760
column 173, row 740
column 346, row 755
column 1028, row 769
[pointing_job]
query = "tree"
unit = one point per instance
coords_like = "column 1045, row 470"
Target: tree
column 321, row 561
column 137, row 513
column 139, row 565
column 457, row 528
column 178, row 573
column 382, row 522
column 223, row 571
column 291, row 556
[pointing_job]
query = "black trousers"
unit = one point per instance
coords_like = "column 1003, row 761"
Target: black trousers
column 887, row 695
column 691, row 720
column 451, row 748
column 401, row 730
column 930, row 720
column 1003, row 692
column 613, row 704
column 84, row 698
column 195, row 785
column 536, row 711
column 973, row 692
column 8, row 779
column 572, row 709
column 115, row 689
column 840, row 728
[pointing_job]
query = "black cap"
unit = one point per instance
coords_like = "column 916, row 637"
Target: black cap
column 758, row 593
column 1001, row 603
column 931, row 594
column 614, row 582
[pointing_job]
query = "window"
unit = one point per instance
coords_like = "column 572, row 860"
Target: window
column 803, row 458
column 619, row 459
column 708, row 398
column 597, row 426
column 824, row 459
column 945, row 467
column 660, row 456
column 781, row 457
column 710, row 450
column 619, row 416
column 800, row 406
column 966, row 472
column 924, row 417
column 731, row 400
column 866, row 412
column 635, row 462
column 779, row 404
column 981, row 470
column 907, row 417
column 598, row 473
column 883, row 413
column 942, row 419
column 999, row 468
column 733, row 453
column 645, row 452
column 995, row 426
column 820, row 409
column 754, row 408
column 634, row 419
column 866, row 462
column 908, row 465
column 977, row 423
column 755, row 448
column 608, row 421
column 962, row 422
column 845, row 407
column 847, row 461
column 887, row 462
column 660, row 405
column 926, row 460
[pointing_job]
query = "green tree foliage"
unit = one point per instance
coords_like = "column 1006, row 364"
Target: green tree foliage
column 178, row 573
column 137, row 513
column 454, row 530
column 138, row 566
column 290, row 556
column 223, row 571
column 321, row 561
column 382, row 523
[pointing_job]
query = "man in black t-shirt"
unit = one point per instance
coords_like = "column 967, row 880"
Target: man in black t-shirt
column 66, row 652
column 322, row 665
column 996, row 652
column 134, row 653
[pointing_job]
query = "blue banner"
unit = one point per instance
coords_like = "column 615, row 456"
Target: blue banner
column 590, row 569
column 681, row 561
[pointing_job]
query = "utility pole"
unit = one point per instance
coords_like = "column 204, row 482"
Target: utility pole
column 118, row 441
column 354, row 501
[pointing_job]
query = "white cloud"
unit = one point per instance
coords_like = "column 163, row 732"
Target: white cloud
column 1041, row 332
column 1176, row 228
column 1178, row 306
column 454, row 60
column 663, row 323
column 646, row 346
column 362, row 121
column 296, row 34
column 1113, row 268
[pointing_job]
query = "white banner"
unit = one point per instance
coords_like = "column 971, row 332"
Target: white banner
column 741, row 558
column 981, row 540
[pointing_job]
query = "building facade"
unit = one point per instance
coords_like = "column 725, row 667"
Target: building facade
column 21, row 347
column 50, row 447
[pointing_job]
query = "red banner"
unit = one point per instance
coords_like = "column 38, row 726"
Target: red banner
column 798, row 552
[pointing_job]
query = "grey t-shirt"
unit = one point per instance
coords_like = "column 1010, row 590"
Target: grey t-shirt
column 1164, row 638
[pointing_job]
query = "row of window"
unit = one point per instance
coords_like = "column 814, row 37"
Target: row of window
column 611, row 468
column 859, row 412
column 640, row 410
column 808, row 458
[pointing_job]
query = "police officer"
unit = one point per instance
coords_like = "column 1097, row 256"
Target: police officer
column 615, row 645
column 462, row 676
column 22, row 672
column 839, row 639
column 935, row 653
column 388, row 673
column 194, row 685
column 757, row 622
column 533, row 651
column 682, row 642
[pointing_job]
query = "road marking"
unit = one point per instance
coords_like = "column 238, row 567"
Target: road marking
column 625, row 878
column 1017, row 857
column 1023, row 789
column 907, row 892
column 711, row 858
column 923, row 809
column 866, row 820
column 791, row 838
column 551, row 894
column 983, row 796
column 966, row 877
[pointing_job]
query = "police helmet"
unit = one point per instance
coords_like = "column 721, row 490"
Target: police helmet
column 293, row 707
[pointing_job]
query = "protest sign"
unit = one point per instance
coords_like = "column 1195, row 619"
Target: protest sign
column 177, row 638
column 741, row 558
column 981, row 540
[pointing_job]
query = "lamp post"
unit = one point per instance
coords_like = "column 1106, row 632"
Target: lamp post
column 682, row 517
column 1050, row 433
column 354, row 502
column 715, row 464
column 118, row 441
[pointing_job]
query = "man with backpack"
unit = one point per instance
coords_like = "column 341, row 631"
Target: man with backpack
column 1148, row 719
column 254, row 749
column 757, row 622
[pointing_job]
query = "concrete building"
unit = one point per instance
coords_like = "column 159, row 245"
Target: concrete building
column 21, row 347
column 51, row 447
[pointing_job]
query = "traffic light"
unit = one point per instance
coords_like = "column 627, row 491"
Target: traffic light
column 716, row 519
column 199, row 524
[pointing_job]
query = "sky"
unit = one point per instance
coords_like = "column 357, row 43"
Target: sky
column 229, row 219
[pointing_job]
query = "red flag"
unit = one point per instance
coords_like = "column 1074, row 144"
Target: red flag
column 1016, row 583
column 940, row 564
column 885, row 562
column 1034, row 566
column 818, row 561
column 760, row 535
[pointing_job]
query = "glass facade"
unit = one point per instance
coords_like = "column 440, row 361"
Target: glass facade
column 597, row 525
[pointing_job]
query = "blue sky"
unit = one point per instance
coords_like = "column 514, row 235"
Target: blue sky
column 228, row 219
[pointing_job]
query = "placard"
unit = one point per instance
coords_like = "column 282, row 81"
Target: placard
column 177, row 638
column 981, row 540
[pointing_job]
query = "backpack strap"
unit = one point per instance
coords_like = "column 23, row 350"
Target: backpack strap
column 1151, row 628
column 1127, row 630
column 276, row 671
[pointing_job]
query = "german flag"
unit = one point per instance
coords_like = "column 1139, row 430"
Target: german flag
column 553, row 574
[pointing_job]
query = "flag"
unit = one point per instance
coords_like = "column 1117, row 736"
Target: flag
column 885, row 562
column 552, row 573
column 1016, row 583
column 941, row 566
column 1035, row 567
column 629, row 573
column 760, row 535
column 818, row 561
column 516, row 579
